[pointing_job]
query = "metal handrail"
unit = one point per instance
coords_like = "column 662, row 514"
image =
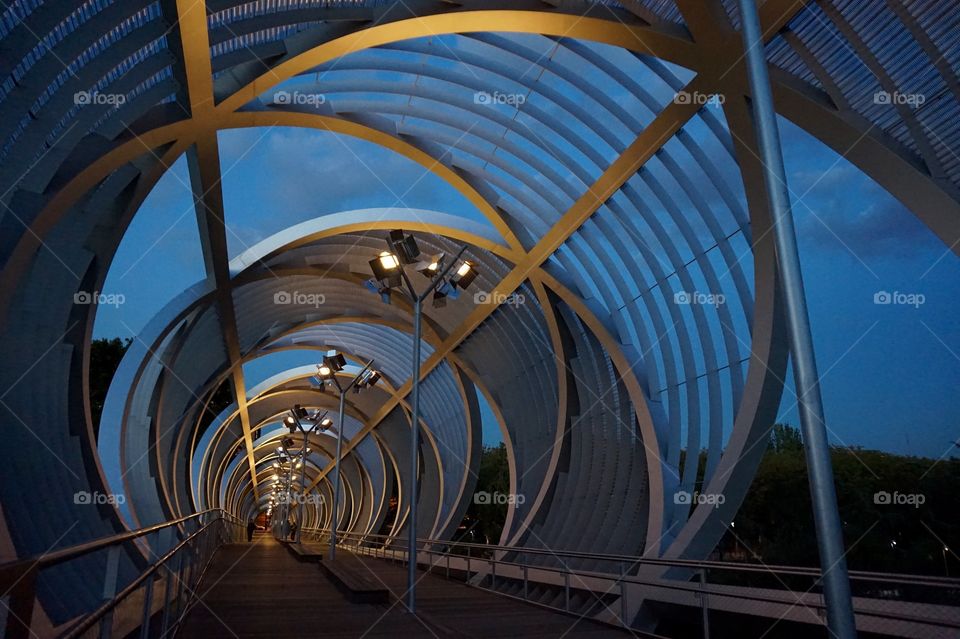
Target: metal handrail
column 377, row 545
column 631, row 560
column 22, row 573
column 72, row 552
column 94, row 617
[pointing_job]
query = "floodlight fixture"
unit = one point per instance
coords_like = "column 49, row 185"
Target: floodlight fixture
column 386, row 269
column 404, row 246
column 334, row 362
column 464, row 275
column 429, row 268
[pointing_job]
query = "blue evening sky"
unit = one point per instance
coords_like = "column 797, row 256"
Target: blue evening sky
column 890, row 372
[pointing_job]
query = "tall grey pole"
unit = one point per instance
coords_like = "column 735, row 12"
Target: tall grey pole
column 303, row 484
column 836, row 581
column 414, row 462
column 336, row 481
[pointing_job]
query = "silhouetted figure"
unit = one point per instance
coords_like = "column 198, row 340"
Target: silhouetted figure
column 293, row 530
column 251, row 526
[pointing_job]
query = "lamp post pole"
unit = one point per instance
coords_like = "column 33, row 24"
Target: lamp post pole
column 336, row 481
column 414, row 462
column 836, row 581
column 415, row 425
column 303, row 484
column 404, row 251
column 293, row 423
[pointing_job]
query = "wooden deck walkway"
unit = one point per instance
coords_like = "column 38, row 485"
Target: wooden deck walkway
column 261, row 590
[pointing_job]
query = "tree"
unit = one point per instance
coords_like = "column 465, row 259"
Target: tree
column 775, row 522
column 105, row 357
column 493, row 478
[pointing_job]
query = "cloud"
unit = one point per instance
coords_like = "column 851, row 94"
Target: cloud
column 286, row 176
column 843, row 210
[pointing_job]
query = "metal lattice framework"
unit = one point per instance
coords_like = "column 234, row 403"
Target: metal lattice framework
column 604, row 196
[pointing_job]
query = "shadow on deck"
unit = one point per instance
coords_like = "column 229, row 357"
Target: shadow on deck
column 262, row 590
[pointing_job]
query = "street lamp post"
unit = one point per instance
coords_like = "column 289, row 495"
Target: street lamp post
column 826, row 515
column 333, row 363
column 389, row 274
column 294, row 421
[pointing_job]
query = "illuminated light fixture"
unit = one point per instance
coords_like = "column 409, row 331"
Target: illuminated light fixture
column 388, row 261
column 274, row 476
column 334, row 361
column 385, row 267
column 465, row 275
column 429, row 268
column 324, row 371
column 325, row 423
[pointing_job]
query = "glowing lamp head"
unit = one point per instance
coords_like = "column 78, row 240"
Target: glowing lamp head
column 464, row 275
column 388, row 260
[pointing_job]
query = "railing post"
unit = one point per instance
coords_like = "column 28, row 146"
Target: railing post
column 566, row 591
column 525, row 594
column 623, row 601
column 704, row 604
column 147, row 608
column 110, row 589
column 493, row 574
column 181, row 572
column 167, row 601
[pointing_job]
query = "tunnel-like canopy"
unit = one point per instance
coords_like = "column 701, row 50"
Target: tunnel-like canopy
column 609, row 152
